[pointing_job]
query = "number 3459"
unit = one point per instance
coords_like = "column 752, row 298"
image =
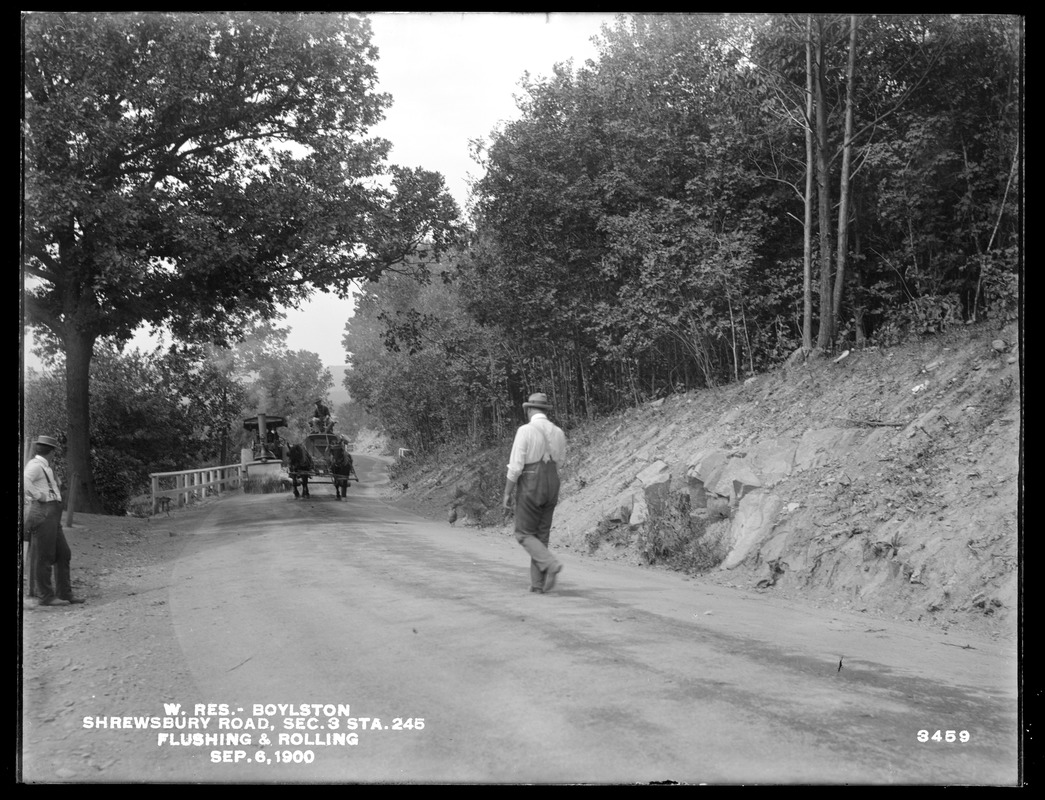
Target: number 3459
column 944, row 736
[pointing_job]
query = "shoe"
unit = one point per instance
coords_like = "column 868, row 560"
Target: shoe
column 74, row 600
column 50, row 601
column 537, row 589
column 550, row 576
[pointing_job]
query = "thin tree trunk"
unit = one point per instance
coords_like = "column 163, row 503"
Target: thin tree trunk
column 844, row 187
column 733, row 336
column 807, row 256
column 586, row 387
column 858, row 299
column 826, row 333
column 747, row 339
column 223, row 460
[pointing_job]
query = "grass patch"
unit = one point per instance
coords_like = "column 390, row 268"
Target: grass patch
column 140, row 506
column 606, row 532
column 264, row 485
column 674, row 538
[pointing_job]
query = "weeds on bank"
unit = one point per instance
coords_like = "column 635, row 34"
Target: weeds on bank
column 677, row 539
column 606, row 532
column 263, row 485
column 140, row 506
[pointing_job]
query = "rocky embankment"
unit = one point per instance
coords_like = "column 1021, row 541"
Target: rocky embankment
column 886, row 480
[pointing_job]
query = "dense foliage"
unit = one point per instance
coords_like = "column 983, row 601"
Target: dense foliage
column 200, row 170
column 702, row 201
column 179, row 407
column 421, row 366
column 149, row 414
column 280, row 381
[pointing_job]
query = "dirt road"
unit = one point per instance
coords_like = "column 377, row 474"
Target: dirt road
column 370, row 645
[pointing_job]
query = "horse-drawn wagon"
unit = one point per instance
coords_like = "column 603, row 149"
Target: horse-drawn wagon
column 322, row 455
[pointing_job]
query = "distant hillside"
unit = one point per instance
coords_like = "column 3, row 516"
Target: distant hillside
column 338, row 394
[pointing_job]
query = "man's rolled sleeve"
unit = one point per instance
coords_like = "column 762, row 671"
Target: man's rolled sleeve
column 517, row 459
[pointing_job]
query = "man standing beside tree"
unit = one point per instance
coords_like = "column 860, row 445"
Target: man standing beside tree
column 43, row 523
column 539, row 447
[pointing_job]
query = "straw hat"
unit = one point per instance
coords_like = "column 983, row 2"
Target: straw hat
column 538, row 400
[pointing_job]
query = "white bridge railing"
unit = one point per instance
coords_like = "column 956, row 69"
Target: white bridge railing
column 194, row 484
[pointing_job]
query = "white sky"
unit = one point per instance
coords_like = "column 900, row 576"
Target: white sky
column 452, row 77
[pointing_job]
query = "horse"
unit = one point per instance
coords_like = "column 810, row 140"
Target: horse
column 341, row 469
column 300, row 467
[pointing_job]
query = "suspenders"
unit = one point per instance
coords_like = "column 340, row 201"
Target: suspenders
column 547, row 445
column 50, row 486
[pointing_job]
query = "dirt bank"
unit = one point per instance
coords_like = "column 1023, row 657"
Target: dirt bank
column 901, row 497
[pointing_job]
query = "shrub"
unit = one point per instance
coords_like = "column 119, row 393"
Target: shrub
column 674, row 538
column 926, row 315
column 1001, row 287
column 140, row 506
column 116, row 479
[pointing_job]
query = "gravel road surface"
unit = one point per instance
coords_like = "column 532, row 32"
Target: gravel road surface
column 323, row 641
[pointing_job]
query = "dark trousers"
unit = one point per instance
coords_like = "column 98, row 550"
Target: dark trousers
column 536, row 493
column 47, row 549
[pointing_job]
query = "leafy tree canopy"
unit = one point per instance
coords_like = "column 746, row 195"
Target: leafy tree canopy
column 197, row 169
column 202, row 170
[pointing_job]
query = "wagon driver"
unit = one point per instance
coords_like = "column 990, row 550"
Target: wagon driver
column 533, row 474
column 322, row 417
column 43, row 523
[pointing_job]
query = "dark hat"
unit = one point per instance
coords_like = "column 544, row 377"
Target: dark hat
column 50, row 441
column 538, row 400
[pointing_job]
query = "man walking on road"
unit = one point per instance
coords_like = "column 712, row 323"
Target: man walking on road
column 43, row 523
column 538, row 449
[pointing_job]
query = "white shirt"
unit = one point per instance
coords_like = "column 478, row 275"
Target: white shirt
column 530, row 445
column 35, row 477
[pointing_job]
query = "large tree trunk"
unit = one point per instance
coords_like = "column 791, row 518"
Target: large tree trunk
column 807, row 255
column 79, row 348
column 844, row 188
column 826, row 333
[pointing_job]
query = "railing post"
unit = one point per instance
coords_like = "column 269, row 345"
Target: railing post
column 193, row 485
